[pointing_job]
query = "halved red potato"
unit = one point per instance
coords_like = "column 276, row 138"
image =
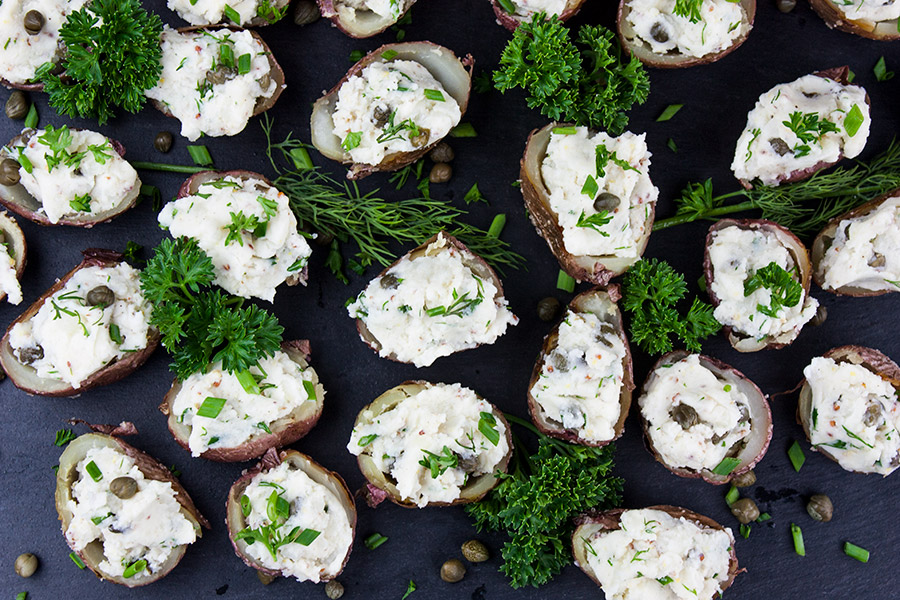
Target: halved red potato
column 266, row 12
column 602, row 304
column 67, row 474
column 596, row 269
column 359, row 22
column 511, row 22
column 25, row 377
column 331, row 481
column 453, row 74
column 674, row 60
column 825, row 239
column 754, row 445
column 12, row 236
column 283, row 432
column 17, row 199
column 830, row 12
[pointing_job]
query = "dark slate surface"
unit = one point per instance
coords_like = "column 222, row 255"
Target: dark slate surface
column 716, row 98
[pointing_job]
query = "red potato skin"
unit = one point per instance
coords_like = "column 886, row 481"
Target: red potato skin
column 329, row 11
column 93, row 257
column 10, row 228
column 835, row 19
column 507, row 21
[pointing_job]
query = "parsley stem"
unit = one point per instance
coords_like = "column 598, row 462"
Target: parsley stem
column 152, row 166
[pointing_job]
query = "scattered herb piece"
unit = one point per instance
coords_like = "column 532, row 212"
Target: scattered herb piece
column 389, row 55
column 854, row 551
column 728, row 464
column 77, row 560
column 487, row 425
column 669, row 112
column 497, row 225
column 463, row 130
column 474, row 195
column 410, row 588
column 232, row 15
column 134, row 568
column 881, row 71
column 797, row 534
column 689, row 9
column 564, row 281
column 795, row 453
column 375, row 540
column 31, row 119
column 200, row 155
column 763, row 517
column 853, row 120
column 131, row 248
column 785, row 290
column 356, row 55
column 732, row 495
column 745, row 531
column 367, row 439
column 211, row 407
column 439, row 463
column 94, row 471
column 595, row 221
column 64, row 436
column 671, row 145
column 434, row 95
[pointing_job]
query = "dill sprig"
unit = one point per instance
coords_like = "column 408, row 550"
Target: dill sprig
column 804, row 207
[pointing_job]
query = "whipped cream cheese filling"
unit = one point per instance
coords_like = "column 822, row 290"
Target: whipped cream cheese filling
column 388, row 9
column 209, row 12
column 714, row 28
column 525, row 9
column 868, row 10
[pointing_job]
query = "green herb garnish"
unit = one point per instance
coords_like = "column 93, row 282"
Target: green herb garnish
column 853, row 120
column 785, row 290
column 77, row 560
column 881, row 71
column 727, row 465
column 410, row 588
column 565, row 282
column 211, row 407
column 435, row 95
column 854, row 551
column 487, row 425
column 795, row 453
column 797, row 534
column 367, row 439
column 438, row 463
column 497, row 225
column 808, row 128
column 669, row 112
column 474, row 195
column 595, row 221
column 689, row 9
column 375, row 540
column 94, row 471
column 134, row 568
column 63, row 437
column 732, row 495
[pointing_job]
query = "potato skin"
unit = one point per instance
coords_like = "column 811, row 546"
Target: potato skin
column 18, row 246
column 882, row 30
column 329, row 11
column 23, row 377
column 507, row 21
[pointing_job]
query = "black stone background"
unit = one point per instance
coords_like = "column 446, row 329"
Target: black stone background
column 716, row 99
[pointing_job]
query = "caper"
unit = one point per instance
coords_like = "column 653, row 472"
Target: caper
column 453, row 570
column 163, row 141
column 306, row 12
column 421, row 138
column 548, row 308
column 30, row 354
column 34, row 22
column 442, row 153
column 744, row 479
column 389, row 281
column 218, row 75
column 658, row 32
column 381, row 114
column 559, row 361
column 467, row 464
column 780, row 146
column 264, row 81
column 334, row 589
column 820, row 316
column 100, row 295
column 877, row 260
column 9, row 172
column 606, row 201
column 17, row 105
column 873, row 415
column 440, row 173
column 786, row 6
column 324, row 238
column 26, row 564
column 745, row 510
column 123, row 487
column 265, row 578
column 685, row 415
column 475, row 552
column 820, row 507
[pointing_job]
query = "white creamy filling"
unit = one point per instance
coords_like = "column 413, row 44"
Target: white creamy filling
column 148, row 526
column 869, row 10
column 247, row 229
column 865, row 252
column 313, row 507
column 203, row 107
column 736, row 255
column 82, row 177
column 22, row 53
column 582, row 377
column 817, row 111
column 9, row 282
column 719, row 24
column 387, row 9
column 392, row 107
column 442, row 416
column 75, row 340
column 722, row 411
column 855, row 416
column 431, row 306
column 206, row 12
column 283, row 388
column 526, row 8
column 657, row 557
column 572, row 179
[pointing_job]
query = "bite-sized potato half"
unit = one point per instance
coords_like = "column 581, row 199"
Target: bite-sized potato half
column 215, row 78
column 62, row 176
column 858, row 253
column 703, row 418
column 233, row 417
column 246, row 227
column 580, row 389
column 24, row 52
column 90, row 328
column 435, row 300
column 392, row 107
column 244, row 13
column 757, row 276
column 13, row 254
column 122, row 511
column 874, row 19
column 510, row 13
column 590, row 197
column 291, row 517
column 364, row 18
column 430, row 444
column 661, row 36
column 799, row 128
column 850, row 411
column 630, row 553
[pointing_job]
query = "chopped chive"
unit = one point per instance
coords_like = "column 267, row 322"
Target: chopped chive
column 565, row 130
column 763, row 517
column 564, row 281
column 732, row 496
column 200, row 155
column 367, row 439
column 31, row 119
column 728, row 464
column 310, row 388
column 375, row 540
column 389, row 54
column 300, row 158
column 795, row 453
column 247, row 381
column 64, row 436
column 77, row 560
column 244, row 64
column 307, row 537
column 745, row 531
column 134, row 568
column 497, row 226
column 854, row 551
column 797, row 534
column 94, row 471
column 672, row 146
column 435, row 95
column 211, row 407
column 463, row 130
column 669, row 112
column 232, row 15
column 853, row 120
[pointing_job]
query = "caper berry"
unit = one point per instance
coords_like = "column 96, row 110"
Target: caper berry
column 265, row 578
column 17, row 105
column 786, row 6
column 442, row 153
column 389, row 281
column 745, row 510
column 123, row 487
column 26, row 564
column 100, row 295
column 820, row 507
column 607, row 202
column 685, row 415
column 658, row 32
column 548, row 308
column 780, row 146
column 820, row 316
column 30, row 354
column 440, row 173
column 744, row 479
column 9, row 172
column 872, row 415
column 381, row 114
column 420, row 139
column 453, row 570
column 475, row 552
column 34, row 22
column 163, row 141
column 334, row 589
column 306, row 12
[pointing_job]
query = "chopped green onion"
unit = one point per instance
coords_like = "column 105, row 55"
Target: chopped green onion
column 853, row 120
column 508, row 6
column 244, row 64
column 728, row 464
column 134, row 568
column 497, row 226
column 732, row 495
column 590, row 187
column 245, row 505
column 850, row 76
column 300, row 158
column 31, row 119
column 672, row 146
column 352, row 140
column 115, row 334
column 22, row 596
column 463, row 130
column 310, row 388
column 226, row 56
column 247, row 381
column 435, row 95
column 745, row 530
column 564, row 281
column 77, row 560
column 763, row 517
column 200, row 155
column 795, row 453
column 389, row 54
column 94, row 471
column 410, row 588
column 211, row 407
column 24, row 161
column 375, row 540
column 797, row 534
column 487, row 425
column 357, row 55
column 367, row 439
column 232, row 15
column 881, row 72
column 854, row 551
column 64, row 436
column 565, row 130
column 669, row 112
column 307, row 537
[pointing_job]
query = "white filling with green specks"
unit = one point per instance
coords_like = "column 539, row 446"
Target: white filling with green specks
column 714, row 28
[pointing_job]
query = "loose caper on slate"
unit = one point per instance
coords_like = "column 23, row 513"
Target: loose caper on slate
column 9, row 172
column 475, row 552
column 123, row 487
column 786, row 6
column 33, row 22
column 306, row 12
column 17, row 105
column 440, row 173
column 745, row 510
column 547, row 308
column 453, row 570
column 442, row 153
column 334, row 589
column 820, row 507
column 163, row 141
column 744, row 479
column 26, row 564
column 685, row 415
column 100, row 295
